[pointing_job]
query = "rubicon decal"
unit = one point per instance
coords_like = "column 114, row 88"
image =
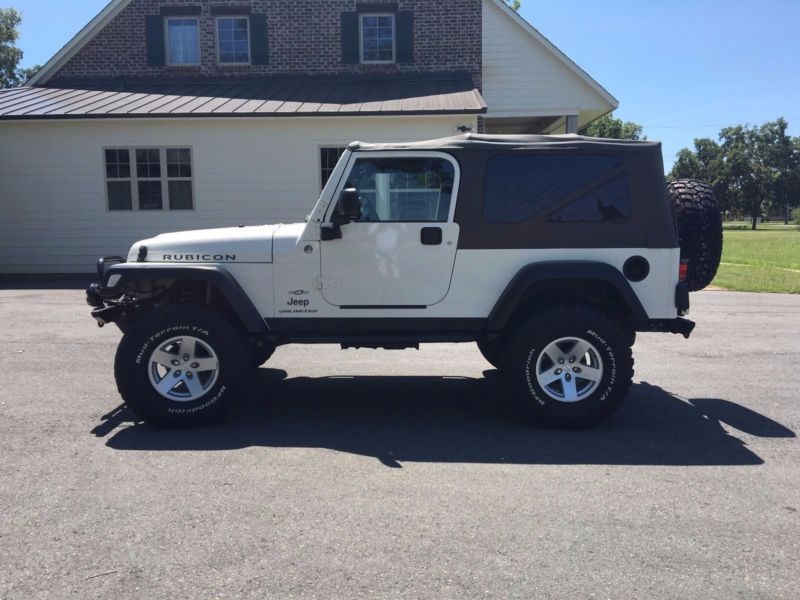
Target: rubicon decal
column 200, row 257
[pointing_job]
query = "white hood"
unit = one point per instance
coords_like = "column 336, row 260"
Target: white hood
column 229, row 245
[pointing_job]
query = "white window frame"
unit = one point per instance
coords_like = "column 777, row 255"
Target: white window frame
column 167, row 61
column 361, row 17
column 342, row 147
column 137, row 179
column 129, row 179
column 249, row 41
column 134, row 179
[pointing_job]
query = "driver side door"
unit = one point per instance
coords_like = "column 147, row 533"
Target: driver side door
column 401, row 251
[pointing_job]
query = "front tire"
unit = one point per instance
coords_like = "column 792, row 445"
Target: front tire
column 182, row 366
column 570, row 366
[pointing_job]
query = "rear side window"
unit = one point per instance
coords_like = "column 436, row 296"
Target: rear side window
column 609, row 202
column 519, row 186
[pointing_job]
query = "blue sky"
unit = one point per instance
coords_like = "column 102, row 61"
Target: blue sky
column 682, row 68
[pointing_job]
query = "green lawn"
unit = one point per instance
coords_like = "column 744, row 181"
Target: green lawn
column 746, row 225
column 765, row 260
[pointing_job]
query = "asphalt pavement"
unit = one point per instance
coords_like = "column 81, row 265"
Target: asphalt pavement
column 406, row 474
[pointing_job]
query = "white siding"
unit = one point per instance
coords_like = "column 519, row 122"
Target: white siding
column 53, row 216
column 524, row 78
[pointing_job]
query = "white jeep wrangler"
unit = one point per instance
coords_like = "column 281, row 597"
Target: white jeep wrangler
column 549, row 252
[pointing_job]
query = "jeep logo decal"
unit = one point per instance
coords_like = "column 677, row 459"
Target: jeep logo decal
column 301, row 303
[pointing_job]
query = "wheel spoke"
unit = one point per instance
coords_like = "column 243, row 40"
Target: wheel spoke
column 194, row 386
column 206, row 364
column 590, row 374
column 163, row 358
column 549, row 377
column 189, row 346
column 580, row 349
column 570, row 389
column 165, row 385
column 554, row 354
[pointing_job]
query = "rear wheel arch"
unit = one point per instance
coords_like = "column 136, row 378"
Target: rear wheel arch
column 541, row 286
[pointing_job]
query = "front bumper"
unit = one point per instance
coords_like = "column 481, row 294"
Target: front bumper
column 97, row 294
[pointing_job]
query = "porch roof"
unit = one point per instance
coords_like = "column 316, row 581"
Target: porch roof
column 251, row 98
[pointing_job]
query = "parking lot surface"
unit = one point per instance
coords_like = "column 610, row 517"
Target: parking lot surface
column 379, row 474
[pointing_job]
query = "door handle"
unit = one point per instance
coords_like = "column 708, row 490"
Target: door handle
column 431, row 236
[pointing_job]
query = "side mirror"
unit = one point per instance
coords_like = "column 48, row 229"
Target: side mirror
column 349, row 207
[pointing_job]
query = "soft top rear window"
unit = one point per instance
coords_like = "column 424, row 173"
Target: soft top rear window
column 518, row 186
column 610, row 202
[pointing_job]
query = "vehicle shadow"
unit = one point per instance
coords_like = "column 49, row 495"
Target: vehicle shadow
column 458, row 420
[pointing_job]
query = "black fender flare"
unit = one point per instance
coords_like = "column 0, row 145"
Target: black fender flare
column 525, row 283
column 218, row 277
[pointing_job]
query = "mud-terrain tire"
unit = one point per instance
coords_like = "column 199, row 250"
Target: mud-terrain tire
column 699, row 224
column 168, row 350
column 492, row 352
column 570, row 366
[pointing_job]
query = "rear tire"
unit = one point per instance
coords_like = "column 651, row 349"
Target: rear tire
column 570, row 366
column 699, row 224
column 182, row 366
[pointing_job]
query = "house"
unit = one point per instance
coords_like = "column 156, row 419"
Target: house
column 165, row 115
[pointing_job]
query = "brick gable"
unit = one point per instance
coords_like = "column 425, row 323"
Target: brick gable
column 304, row 38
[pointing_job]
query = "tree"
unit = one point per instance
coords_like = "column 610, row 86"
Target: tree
column 747, row 178
column 779, row 152
column 706, row 163
column 612, row 128
column 11, row 75
column 750, row 169
column 515, row 4
column 25, row 75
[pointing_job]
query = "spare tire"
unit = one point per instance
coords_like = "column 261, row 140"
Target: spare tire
column 699, row 222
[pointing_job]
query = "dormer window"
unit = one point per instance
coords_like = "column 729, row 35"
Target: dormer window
column 233, row 40
column 373, row 37
column 377, row 38
column 183, row 41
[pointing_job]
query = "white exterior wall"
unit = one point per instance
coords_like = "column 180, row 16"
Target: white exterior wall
column 524, row 78
column 53, row 210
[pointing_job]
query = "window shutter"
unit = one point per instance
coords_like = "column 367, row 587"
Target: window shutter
column 156, row 51
column 405, row 36
column 259, row 45
column 351, row 46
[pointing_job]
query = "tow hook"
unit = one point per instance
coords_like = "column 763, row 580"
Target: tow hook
column 107, row 315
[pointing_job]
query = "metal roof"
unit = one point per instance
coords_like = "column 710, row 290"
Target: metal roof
column 424, row 96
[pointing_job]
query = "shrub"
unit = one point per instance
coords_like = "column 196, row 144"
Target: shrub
column 796, row 216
